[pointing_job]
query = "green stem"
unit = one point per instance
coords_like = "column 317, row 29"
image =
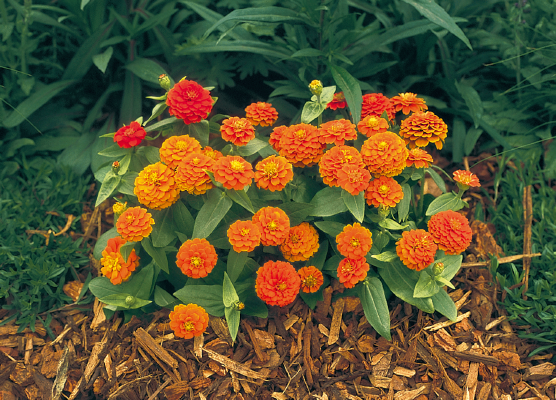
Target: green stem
column 421, row 198
column 319, row 118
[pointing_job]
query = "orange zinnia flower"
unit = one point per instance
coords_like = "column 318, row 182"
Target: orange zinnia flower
column 334, row 159
column 301, row 243
column 371, row 125
column 277, row 283
column 355, row 241
column 134, row 224
column 261, row 113
column 276, row 135
column 188, row 320
column 408, row 102
column 384, row 190
column 273, row 173
column 416, row 249
column 352, row 270
column 155, row 187
column 385, row 154
column 353, row 179
column 233, row 172
column 311, row 279
column 237, row 130
column 191, row 173
column 175, row 148
column 273, row 224
column 244, row 236
column 189, row 101
column 113, row 265
column 422, row 128
column 338, row 101
column 337, row 132
column 451, row 231
column 419, row 158
column 196, row 258
column 301, row 146
column 210, row 152
column 466, row 179
column 375, row 104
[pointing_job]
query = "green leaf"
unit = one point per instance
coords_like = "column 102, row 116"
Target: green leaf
column 403, row 205
column 139, row 285
column 236, row 262
column 252, row 147
column 318, row 259
column 375, row 306
column 151, row 153
column 124, row 164
column 213, row 211
column 15, row 145
column 34, row 102
column 124, row 300
column 126, row 249
column 101, row 60
column 401, row 281
column 444, row 282
column 355, row 204
column 108, row 186
column 332, row 263
column 182, row 218
column 426, row 286
column 207, row 296
column 244, row 46
column 163, row 229
column 472, row 100
column 452, row 264
column 229, row 294
column 296, row 212
column 114, row 151
column 128, row 183
column 391, row 224
column 380, row 240
column 241, row 198
column 330, row 227
column 387, row 256
column 232, row 315
column 311, row 110
column 158, row 254
column 102, row 242
column 310, row 52
column 473, row 134
column 200, row 131
column 445, row 305
column 458, row 139
column 328, row 202
column 352, row 91
column 164, row 299
column 434, row 13
column 447, row 201
column 437, row 179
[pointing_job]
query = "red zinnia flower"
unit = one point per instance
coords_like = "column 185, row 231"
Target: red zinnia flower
column 130, row 136
column 261, row 113
column 374, row 104
column 451, row 231
column 416, row 249
column 189, row 320
column 311, row 279
column 338, row 101
column 188, row 101
column 277, row 283
column 352, row 270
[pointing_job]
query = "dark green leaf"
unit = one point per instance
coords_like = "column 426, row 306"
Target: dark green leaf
column 108, row 186
column 332, row 263
column 452, row 264
column 355, row 204
column 124, row 301
column 426, row 286
column 437, row 179
column 403, row 205
column 319, row 258
column 146, row 69
column 14, row 145
column 200, row 131
column 472, row 100
column 328, row 202
column 458, row 138
column 229, row 294
column 375, row 306
column 212, row 212
column 163, row 229
column 126, row 249
column 182, row 218
column 102, row 242
column 236, row 262
column 391, row 224
column 101, row 60
column 114, row 151
column 447, row 201
column 352, row 91
column 330, row 227
column 164, row 299
column 471, row 138
column 244, row 46
column 158, row 254
column 296, row 212
column 207, row 296
column 252, row 147
column 241, row 198
column 387, row 256
column 445, row 305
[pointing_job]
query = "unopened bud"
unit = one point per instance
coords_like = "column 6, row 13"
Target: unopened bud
column 316, row 87
column 164, row 82
column 129, row 300
column 115, row 166
column 383, row 211
column 240, row 306
column 119, row 208
column 438, row 268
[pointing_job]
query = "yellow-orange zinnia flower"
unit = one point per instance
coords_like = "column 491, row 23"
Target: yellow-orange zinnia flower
column 419, row 158
column 273, row 173
column 311, row 279
column 301, row 146
column 233, row 172
column 337, row 132
column 352, row 270
column 385, row 154
column 273, row 224
column 196, row 258
column 334, row 159
column 416, row 249
column 301, row 243
column 238, row 131
column 408, row 102
column 175, row 148
column 422, row 128
column 355, row 241
column 466, row 178
column 261, row 113
column 189, row 320
column 191, row 173
column 113, row 265
column 371, row 125
column 353, row 179
column 451, row 231
column 276, row 135
column 384, row 190
column 244, row 236
column 134, row 224
column 210, row 152
column 277, row 283
column 375, row 104
column 156, row 187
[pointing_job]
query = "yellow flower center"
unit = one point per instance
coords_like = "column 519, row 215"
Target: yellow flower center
column 245, row 231
column 281, row 286
column 272, row 225
column 130, row 218
column 196, row 261
column 113, row 262
column 423, row 242
column 196, row 161
column 347, row 156
column 301, row 134
column 347, row 267
column 294, row 239
column 210, row 154
column 153, row 178
column 261, row 106
column 383, row 190
column 336, row 128
column 181, row 145
column 309, row 281
column 455, row 224
column 270, row 169
column 239, row 124
column 191, row 94
column 372, row 122
column 354, row 242
column 355, row 176
column 188, row 326
column 236, row 165
column 382, row 146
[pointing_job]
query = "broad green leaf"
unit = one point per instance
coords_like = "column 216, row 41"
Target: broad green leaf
column 355, row 204
column 151, row 153
column 444, row 282
column 446, row 201
column 236, row 262
column 212, row 17
column 473, row 134
column 375, row 306
column 328, row 202
column 128, row 183
column 213, row 211
column 200, row 131
column 163, row 228
column 434, row 13
column 16, row 144
column 207, row 296
column 403, row 205
column 452, row 264
column 164, row 299
column 101, row 60
column 380, row 240
column 330, row 227
column 232, row 315
column 332, row 263
column 445, row 305
column 241, row 198
column 472, row 100
column 108, row 186
column 318, row 259
column 296, row 212
column 458, row 139
column 182, row 218
column 387, row 256
column 244, row 46
column 156, row 112
column 391, row 224
column 229, row 294
column 102, row 242
column 114, row 151
column 158, row 254
column 252, row 147
column 131, row 105
column 437, row 179
column 255, row 307
column 426, row 286
column 310, row 52
column 139, row 285
column 126, row 249
column 311, row 110
column 352, row 91
column 161, row 124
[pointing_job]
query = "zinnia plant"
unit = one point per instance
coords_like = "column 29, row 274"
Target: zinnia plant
column 235, row 214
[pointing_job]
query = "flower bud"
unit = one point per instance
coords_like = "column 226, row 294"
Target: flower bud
column 383, row 211
column 115, row 166
column 316, row 87
column 119, row 208
column 438, row 268
column 239, row 305
column 129, row 300
column 164, row 82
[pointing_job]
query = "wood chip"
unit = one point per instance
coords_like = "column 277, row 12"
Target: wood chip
column 495, row 322
column 480, row 358
column 198, row 342
column 290, row 321
column 401, row 371
column 444, row 324
column 149, row 344
column 539, row 372
column 234, row 366
column 470, row 387
column 409, row 394
column 336, row 322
